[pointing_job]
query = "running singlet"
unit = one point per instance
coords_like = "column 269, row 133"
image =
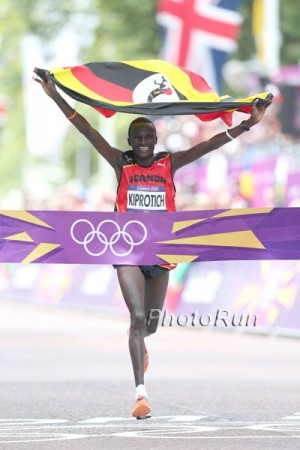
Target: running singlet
column 146, row 188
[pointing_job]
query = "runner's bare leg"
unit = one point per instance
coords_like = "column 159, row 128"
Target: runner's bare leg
column 132, row 283
column 155, row 293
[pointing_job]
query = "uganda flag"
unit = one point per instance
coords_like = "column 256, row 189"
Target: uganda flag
column 152, row 87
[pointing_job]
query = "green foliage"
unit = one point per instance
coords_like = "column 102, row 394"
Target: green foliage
column 126, row 30
column 109, row 30
column 246, row 48
column 290, row 30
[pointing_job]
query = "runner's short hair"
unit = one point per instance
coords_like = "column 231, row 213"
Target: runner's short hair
column 140, row 120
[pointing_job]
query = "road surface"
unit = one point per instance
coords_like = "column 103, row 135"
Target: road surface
column 66, row 383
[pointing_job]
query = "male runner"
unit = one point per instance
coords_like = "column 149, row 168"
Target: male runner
column 145, row 184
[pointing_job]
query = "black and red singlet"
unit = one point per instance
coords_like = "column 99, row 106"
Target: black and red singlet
column 148, row 188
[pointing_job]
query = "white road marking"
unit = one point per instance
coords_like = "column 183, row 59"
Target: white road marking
column 296, row 416
column 156, row 432
column 279, row 427
column 96, row 420
column 161, row 427
column 187, row 418
column 8, row 438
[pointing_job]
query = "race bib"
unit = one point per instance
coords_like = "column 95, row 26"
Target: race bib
column 146, row 198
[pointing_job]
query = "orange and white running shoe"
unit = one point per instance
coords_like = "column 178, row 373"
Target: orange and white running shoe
column 141, row 409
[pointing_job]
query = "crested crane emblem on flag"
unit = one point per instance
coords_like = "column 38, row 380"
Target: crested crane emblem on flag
column 150, row 87
column 155, row 88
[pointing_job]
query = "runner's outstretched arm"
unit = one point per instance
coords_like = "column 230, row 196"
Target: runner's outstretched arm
column 181, row 158
column 112, row 155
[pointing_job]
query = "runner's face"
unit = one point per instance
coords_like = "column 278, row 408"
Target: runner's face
column 143, row 140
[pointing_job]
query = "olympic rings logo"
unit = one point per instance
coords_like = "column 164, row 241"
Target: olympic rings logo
column 108, row 242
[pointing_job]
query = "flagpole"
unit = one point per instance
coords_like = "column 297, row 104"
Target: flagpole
column 272, row 39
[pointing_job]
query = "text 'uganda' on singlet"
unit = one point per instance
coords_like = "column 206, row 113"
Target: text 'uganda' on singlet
column 146, row 188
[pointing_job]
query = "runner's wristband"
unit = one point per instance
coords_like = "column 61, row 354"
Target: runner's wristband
column 229, row 135
column 244, row 126
column 72, row 115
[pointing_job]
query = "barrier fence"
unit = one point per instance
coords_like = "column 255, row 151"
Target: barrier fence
column 208, row 291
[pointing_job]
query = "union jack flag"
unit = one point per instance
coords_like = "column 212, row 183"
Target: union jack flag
column 199, row 35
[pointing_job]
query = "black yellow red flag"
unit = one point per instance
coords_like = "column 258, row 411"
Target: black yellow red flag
column 149, row 87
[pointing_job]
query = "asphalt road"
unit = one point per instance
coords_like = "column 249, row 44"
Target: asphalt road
column 66, row 383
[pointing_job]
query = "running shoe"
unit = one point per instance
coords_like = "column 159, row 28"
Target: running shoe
column 141, row 409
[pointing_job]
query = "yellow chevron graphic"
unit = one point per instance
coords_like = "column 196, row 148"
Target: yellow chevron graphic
column 26, row 216
column 243, row 212
column 286, row 296
column 42, row 249
column 23, row 237
column 174, row 259
column 185, row 224
column 272, row 314
column 229, row 213
column 245, row 239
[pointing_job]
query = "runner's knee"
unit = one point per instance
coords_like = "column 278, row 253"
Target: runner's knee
column 138, row 321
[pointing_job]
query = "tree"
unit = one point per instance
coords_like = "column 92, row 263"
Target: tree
column 108, row 32
column 290, row 16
